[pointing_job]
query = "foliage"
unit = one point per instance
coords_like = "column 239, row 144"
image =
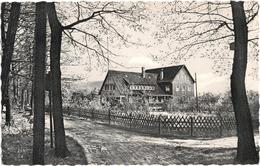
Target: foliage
column 90, row 27
column 20, row 124
column 211, row 104
column 204, row 29
column 138, row 104
column 82, row 100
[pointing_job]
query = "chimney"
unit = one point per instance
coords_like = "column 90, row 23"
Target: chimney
column 143, row 72
column 161, row 74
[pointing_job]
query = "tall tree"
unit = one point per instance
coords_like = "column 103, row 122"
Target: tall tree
column 38, row 83
column 94, row 13
column 8, row 41
column 21, row 61
column 246, row 150
column 55, row 49
column 210, row 25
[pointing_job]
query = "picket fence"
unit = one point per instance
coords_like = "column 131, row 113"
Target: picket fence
column 180, row 126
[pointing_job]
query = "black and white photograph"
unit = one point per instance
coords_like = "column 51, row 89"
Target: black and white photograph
column 131, row 82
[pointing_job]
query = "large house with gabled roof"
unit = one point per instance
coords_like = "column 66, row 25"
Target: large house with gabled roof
column 154, row 85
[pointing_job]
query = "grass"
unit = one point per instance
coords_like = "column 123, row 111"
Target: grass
column 17, row 149
column 17, row 143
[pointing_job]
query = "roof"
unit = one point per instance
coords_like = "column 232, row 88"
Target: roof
column 134, row 77
column 123, row 78
column 169, row 72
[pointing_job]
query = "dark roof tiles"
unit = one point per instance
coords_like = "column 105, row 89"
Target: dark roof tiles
column 123, row 78
column 169, row 73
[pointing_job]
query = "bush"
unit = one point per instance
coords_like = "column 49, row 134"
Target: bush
column 137, row 105
column 211, row 104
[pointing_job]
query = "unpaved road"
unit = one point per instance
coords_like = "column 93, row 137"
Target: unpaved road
column 106, row 145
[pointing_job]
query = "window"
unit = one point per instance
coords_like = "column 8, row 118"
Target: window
column 177, row 88
column 167, row 88
column 112, row 87
column 189, row 88
column 183, row 88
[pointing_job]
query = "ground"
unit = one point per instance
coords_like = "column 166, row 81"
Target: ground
column 17, row 145
column 107, row 145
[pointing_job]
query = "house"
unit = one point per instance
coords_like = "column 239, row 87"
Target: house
column 154, row 86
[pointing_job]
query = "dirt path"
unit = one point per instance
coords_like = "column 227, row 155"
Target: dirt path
column 107, row 145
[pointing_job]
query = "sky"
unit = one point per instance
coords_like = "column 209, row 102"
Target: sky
column 136, row 56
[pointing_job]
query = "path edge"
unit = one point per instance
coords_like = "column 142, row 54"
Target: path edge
column 83, row 145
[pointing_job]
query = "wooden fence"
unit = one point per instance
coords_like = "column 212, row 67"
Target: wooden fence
column 180, row 126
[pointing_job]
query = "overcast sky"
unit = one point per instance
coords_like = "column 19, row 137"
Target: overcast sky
column 136, row 57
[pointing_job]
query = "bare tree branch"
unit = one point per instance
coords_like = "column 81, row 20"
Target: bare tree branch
column 94, row 50
column 94, row 14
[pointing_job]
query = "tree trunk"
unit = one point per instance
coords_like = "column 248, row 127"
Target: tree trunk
column 50, row 112
column 22, row 98
column 56, row 36
column 14, row 85
column 3, row 24
column 38, row 81
column 8, row 48
column 246, row 150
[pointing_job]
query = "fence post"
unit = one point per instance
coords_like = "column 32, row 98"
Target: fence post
column 130, row 119
column 109, row 116
column 92, row 114
column 191, row 126
column 68, row 111
column 220, row 126
column 159, row 125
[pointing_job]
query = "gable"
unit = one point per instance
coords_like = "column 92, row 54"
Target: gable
column 115, row 79
column 183, row 76
column 169, row 73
